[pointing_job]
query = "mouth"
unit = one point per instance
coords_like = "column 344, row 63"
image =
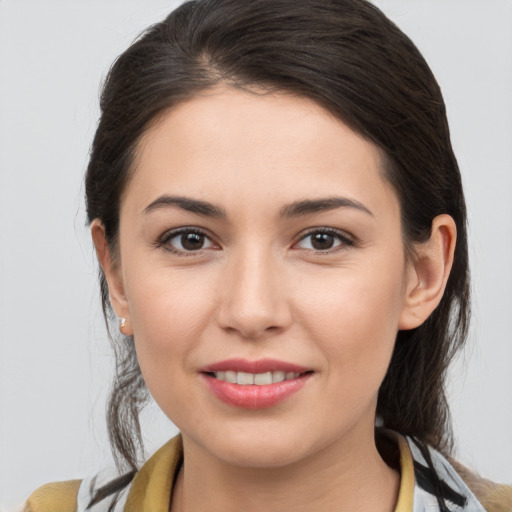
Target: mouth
column 255, row 384
column 255, row 379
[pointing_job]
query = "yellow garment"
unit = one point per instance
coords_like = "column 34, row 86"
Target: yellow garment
column 152, row 486
column 57, row 497
column 406, row 492
column 150, row 491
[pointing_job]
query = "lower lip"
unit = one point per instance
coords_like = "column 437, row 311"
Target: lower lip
column 253, row 396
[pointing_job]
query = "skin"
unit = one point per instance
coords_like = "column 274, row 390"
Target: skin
column 259, row 289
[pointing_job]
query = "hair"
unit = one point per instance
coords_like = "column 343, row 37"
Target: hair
column 348, row 57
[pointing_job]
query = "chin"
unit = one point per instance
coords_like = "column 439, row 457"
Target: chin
column 268, row 446
column 261, row 454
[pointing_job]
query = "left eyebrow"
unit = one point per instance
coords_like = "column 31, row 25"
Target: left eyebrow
column 309, row 206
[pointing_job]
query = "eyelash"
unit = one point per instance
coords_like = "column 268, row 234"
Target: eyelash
column 164, row 240
column 345, row 240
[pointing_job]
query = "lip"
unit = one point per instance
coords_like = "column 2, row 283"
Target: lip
column 260, row 366
column 254, row 396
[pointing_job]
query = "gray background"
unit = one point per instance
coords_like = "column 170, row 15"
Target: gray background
column 54, row 357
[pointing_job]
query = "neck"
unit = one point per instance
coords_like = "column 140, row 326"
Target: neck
column 348, row 476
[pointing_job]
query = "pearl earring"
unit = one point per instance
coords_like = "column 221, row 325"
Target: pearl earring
column 122, row 324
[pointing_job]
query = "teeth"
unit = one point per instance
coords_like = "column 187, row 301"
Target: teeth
column 230, row 377
column 263, row 378
column 278, row 376
column 259, row 379
column 244, row 378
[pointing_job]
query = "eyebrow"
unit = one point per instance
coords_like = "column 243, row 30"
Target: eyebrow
column 188, row 204
column 310, row 206
column 295, row 209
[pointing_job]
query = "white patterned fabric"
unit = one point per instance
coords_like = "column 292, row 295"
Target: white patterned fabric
column 457, row 495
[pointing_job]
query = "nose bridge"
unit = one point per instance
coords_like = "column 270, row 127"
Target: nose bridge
column 254, row 300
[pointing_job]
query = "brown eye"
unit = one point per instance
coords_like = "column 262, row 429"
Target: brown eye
column 187, row 241
column 192, row 241
column 323, row 240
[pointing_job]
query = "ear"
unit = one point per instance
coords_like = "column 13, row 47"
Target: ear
column 112, row 270
column 428, row 274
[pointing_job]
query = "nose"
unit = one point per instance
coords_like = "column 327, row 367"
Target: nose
column 254, row 302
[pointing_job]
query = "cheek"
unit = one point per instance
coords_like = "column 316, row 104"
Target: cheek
column 354, row 317
column 169, row 310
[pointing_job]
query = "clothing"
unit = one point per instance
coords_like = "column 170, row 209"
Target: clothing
column 151, row 488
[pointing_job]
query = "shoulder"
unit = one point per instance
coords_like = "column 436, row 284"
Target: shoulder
column 54, row 497
column 147, row 489
column 433, row 481
column 437, row 474
column 494, row 497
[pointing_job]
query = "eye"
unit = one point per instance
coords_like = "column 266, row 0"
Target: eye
column 186, row 241
column 323, row 240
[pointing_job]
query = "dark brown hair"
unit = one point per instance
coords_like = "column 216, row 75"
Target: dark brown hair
column 352, row 60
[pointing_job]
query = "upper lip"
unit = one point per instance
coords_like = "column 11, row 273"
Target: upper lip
column 260, row 366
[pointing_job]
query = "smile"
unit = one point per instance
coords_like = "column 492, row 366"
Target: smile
column 257, row 379
column 255, row 384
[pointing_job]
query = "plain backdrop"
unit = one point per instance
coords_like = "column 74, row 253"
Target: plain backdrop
column 55, row 360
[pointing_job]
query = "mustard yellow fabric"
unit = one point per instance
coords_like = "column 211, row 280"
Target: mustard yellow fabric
column 152, row 485
column 405, row 501
column 56, row 497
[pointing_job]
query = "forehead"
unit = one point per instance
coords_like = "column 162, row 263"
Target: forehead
column 226, row 144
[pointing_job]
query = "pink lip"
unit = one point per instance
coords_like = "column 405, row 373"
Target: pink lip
column 253, row 396
column 260, row 366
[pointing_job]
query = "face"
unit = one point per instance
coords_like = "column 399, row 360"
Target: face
column 259, row 241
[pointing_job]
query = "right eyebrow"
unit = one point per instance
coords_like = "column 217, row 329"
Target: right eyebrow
column 186, row 203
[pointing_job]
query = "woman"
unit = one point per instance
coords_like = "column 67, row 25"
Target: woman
column 280, row 223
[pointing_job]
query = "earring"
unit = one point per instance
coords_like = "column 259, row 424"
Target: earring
column 122, row 324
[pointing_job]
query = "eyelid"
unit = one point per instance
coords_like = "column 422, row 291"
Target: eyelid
column 345, row 239
column 163, row 240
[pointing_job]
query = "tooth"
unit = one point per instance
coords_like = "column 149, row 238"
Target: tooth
column 260, row 379
column 263, row 378
column 278, row 376
column 244, row 378
column 230, row 377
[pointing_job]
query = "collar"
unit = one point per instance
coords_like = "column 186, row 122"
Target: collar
column 152, row 486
